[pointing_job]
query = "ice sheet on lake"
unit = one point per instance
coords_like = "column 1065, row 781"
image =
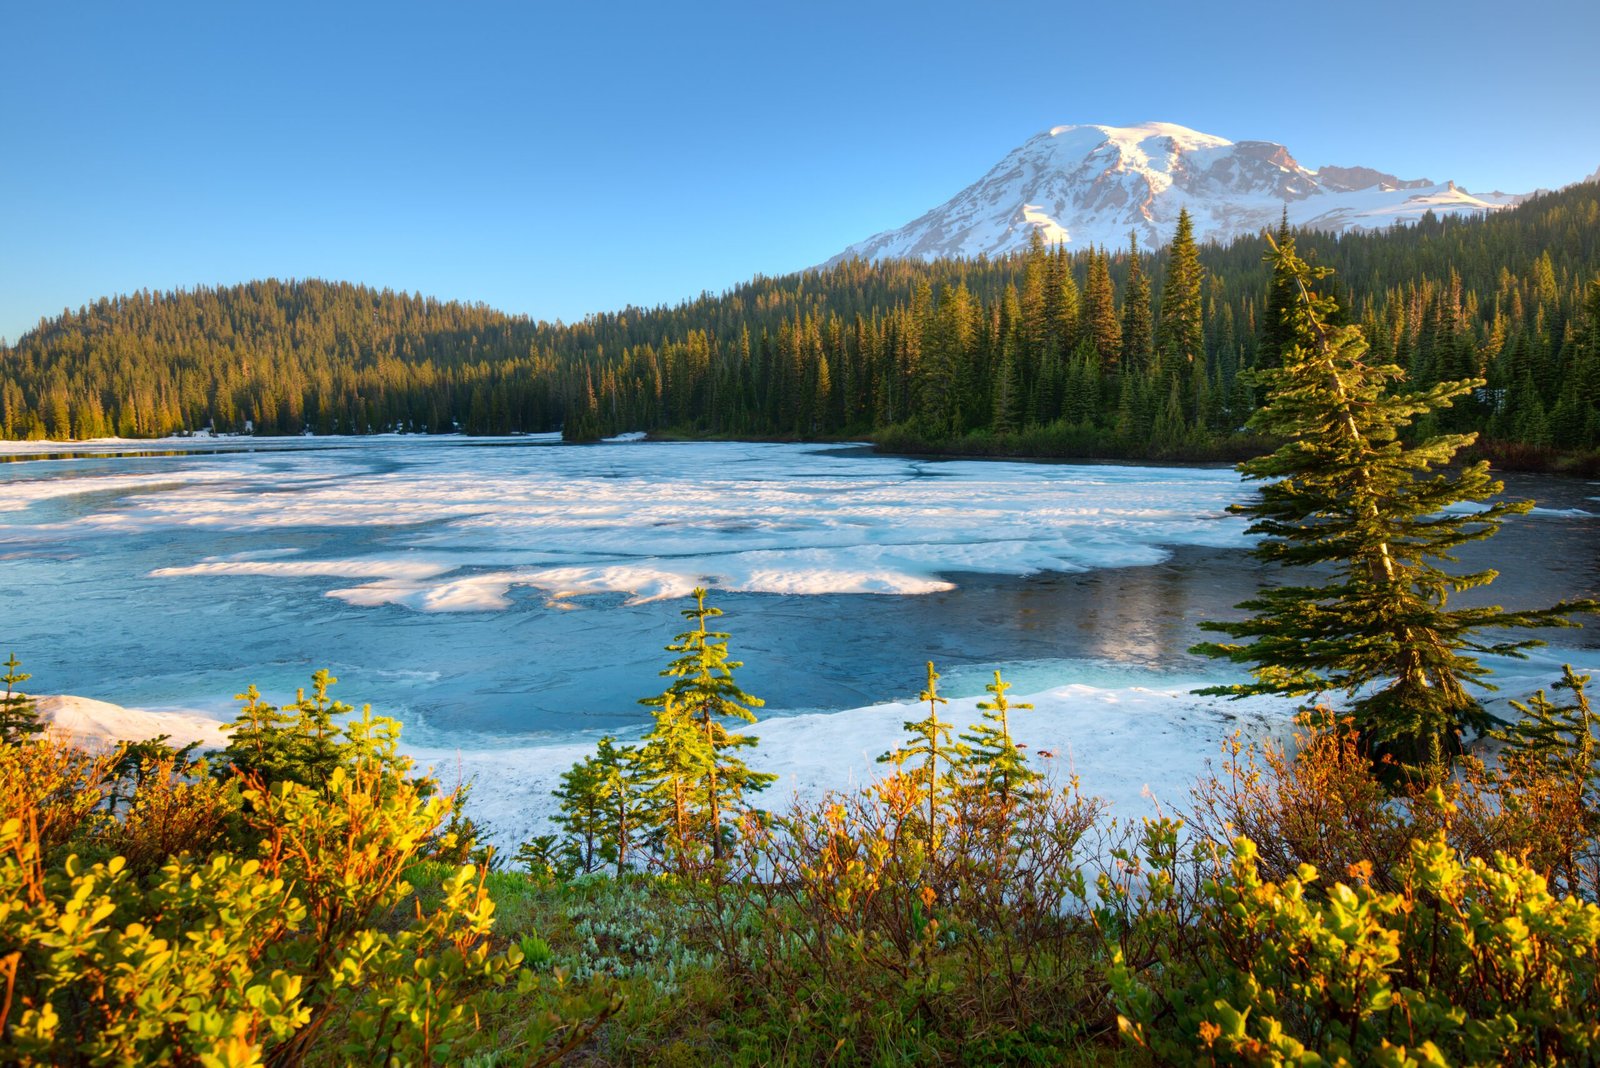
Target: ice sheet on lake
column 462, row 526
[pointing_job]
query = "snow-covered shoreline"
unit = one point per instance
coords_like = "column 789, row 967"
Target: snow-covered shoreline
column 100, row 724
column 1140, row 744
column 1136, row 747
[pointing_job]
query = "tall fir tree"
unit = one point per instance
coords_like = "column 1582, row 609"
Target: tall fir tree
column 948, row 340
column 1346, row 497
column 1137, row 325
column 1283, row 293
column 1008, row 403
column 1100, row 324
column 1180, row 331
column 1033, row 302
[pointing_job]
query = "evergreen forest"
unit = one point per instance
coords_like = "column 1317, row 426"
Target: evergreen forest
column 1095, row 352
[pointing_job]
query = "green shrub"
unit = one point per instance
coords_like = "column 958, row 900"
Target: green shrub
column 1467, row 961
column 309, row 945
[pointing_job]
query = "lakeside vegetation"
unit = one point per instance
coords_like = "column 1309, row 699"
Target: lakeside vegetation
column 1372, row 896
column 1111, row 353
column 1303, row 909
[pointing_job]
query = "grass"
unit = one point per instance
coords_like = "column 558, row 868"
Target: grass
column 680, row 1007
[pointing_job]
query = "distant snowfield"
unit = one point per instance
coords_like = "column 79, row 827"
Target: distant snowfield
column 652, row 521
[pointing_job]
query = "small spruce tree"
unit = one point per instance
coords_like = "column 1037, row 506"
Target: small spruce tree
column 621, row 791
column 675, row 761
column 1558, row 733
column 301, row 742
column 706, row 695
column 543, row 857
column 19, row 717
column 582, row 814
column 603, row 804
column 940, row 756
column 994, row 762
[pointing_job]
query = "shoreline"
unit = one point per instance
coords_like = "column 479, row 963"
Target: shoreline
column 1138, row 743
column 1226, row 452
column 1139, row 748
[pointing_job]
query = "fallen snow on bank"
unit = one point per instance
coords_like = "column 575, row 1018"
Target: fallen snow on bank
column 1137, row 747
column 101, row 724
column 1139, row 740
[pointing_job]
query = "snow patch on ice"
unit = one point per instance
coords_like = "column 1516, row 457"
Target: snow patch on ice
column 457, row 528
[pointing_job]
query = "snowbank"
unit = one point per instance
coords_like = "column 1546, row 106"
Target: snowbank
column 100, row 724
column 1136, row 747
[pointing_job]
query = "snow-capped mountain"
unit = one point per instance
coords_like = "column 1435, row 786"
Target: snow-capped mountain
column 1093, row 184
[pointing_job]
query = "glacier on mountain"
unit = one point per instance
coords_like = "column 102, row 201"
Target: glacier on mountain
column 1089, row 184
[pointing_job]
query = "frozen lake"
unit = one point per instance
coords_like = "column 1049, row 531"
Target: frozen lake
column 514, row 591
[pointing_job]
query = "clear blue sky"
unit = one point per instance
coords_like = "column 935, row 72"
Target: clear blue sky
column 562, row 159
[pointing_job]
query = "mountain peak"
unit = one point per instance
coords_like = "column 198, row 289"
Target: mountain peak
column 1094, row 184
column 1140, row 132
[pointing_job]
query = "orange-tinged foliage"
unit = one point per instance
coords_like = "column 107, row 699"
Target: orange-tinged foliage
column 183, row 948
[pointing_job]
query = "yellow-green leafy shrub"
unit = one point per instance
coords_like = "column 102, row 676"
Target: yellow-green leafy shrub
column 1466, row 961
column 242, row 923
column 102, row 970
column 172, row 812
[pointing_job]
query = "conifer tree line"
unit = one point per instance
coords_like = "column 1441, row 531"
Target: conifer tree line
column 1096, row 351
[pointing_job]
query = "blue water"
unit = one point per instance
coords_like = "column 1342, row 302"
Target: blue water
column 87, row 614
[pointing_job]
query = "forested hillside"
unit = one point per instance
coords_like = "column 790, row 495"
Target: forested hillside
column 1117, row 352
